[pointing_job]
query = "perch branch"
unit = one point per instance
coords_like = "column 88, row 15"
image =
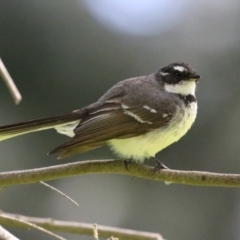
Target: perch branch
column 117, row 167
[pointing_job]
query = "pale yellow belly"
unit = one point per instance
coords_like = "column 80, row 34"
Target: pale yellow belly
column 147, row 145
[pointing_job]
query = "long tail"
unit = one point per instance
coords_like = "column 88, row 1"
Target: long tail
column 17, row 129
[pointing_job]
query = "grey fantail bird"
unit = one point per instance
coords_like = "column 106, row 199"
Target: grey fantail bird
column 137, row 117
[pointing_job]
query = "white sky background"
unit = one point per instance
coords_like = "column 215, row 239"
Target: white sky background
column 137, row 17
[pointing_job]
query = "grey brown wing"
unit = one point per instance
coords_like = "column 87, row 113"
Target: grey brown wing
column 112, row 120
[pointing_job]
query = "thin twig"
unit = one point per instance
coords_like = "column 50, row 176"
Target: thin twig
column 95, row 231
column 5, row 235
column 80, row 228
column 10, row 83
column 112, row 166
column 60, row 192
column 28, row 224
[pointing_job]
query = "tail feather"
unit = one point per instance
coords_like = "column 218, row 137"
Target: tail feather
column 17, row 129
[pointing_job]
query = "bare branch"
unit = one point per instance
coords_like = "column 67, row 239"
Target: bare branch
column 28, row 224
column 113, row 166
column 5, row 235
column 10, row 83
column 79, row 228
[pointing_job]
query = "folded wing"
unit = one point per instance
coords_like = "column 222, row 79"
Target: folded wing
column 112, row 120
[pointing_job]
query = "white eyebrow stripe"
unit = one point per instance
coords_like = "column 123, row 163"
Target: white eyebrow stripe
column 180, row 68
column 152, row 110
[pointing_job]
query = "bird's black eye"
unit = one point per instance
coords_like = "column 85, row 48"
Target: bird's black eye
column 176, row 73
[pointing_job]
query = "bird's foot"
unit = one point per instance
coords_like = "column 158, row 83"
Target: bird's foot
column 127, row 162
column 159, row 165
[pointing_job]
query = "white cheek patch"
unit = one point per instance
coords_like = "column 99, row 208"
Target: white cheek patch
column 183, row 88
column 179, row 68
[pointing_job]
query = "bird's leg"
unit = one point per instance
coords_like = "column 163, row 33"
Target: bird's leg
column 126, row 162
column 159, row 165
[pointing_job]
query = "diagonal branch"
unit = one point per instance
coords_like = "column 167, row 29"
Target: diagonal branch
column 77, row 227
column 10, row 83
column 5, row 235
column 113, row 166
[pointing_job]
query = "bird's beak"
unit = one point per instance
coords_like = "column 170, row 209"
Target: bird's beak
column 194, row 77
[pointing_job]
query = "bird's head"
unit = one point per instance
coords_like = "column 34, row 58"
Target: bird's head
column 179, row 78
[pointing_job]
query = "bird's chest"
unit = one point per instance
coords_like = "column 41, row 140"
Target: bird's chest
column 182, row 121
column 178, row 127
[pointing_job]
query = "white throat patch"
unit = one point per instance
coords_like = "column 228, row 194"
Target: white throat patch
column 183, row 87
